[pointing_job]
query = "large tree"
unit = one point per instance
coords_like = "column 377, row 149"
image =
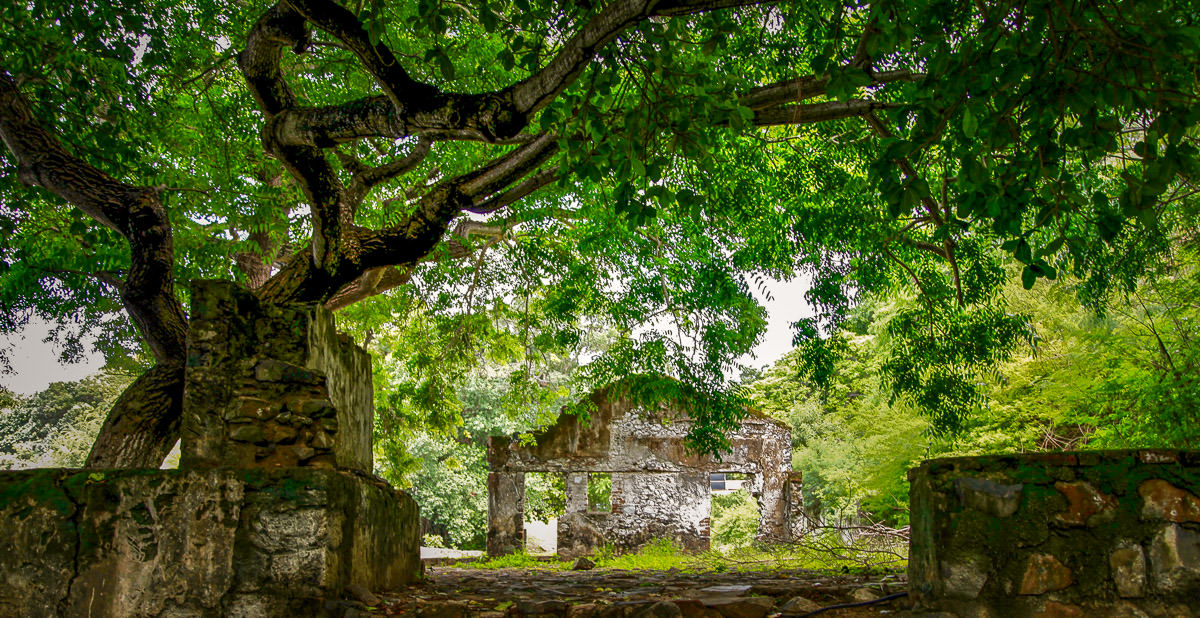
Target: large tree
column 636, row 160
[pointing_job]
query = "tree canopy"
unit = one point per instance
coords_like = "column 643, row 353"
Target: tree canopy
column 510, row 173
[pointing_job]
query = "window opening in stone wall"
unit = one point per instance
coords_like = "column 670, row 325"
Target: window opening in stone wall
column 735, row 514
column 600, row 492
column 545, row 501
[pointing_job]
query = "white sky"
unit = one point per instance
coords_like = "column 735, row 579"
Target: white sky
column 35, row 362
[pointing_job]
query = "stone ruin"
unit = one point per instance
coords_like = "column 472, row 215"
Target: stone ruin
column 660, row 490
column 1102, row 533
column 274, row 508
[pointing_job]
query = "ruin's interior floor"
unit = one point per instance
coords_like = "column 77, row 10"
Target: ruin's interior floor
column 451, row 592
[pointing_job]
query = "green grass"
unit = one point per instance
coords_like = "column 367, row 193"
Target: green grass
column 663, row 555
column 519, row 560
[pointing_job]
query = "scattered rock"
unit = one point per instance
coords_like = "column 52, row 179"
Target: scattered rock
column 539, row 608
column 727, row 590
column 360, row 592
column 691, row 608
column 661, row 609
column 799, row 605
column 865, row 594
column 1044, row 573
column 583, row 563
column 742, row 607
column 449, row 609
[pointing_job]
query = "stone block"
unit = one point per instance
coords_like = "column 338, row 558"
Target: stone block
column 1086, row 505
column 1175, row 560
column 989, row 496
column 1164, row 501
column 1044, row 573
column 1128, row 566
column 964, row 578
column 216, row 542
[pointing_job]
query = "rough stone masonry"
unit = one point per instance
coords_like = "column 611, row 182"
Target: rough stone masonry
column 1102, row 533
column 660, row 490
column 273, row 511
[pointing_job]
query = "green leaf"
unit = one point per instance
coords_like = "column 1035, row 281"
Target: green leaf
column 969, row 124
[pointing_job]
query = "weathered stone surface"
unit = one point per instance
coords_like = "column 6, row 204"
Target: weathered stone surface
column 1086, row 505
column 583, row 563
column 661, row 609
column 1044, row 573
column 1128, row 566
column 1164, row 501
column 1054, row 609
column 988, row 496
column 248, row 363
column 660, row 490
column 742, row 607
column 1175, row 560
column 578, row 535
column 964, row 578
column 197, row 543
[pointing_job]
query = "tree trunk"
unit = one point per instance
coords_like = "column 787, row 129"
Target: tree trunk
column 143, row 424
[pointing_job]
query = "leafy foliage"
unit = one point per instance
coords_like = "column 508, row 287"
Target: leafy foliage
column 734, row 520
column 56, row 427
column 914, row 148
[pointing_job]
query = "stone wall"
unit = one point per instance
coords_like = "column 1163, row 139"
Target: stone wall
column 216, row 542
column 660, row 489
column 1106, row 533
column 272, row 386
column 273, row 511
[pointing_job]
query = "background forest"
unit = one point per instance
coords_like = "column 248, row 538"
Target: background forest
column 1121, row 377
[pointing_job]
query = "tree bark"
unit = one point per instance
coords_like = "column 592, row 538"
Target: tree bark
column 143, row 424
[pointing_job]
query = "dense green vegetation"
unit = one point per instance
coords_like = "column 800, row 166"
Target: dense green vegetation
column 1123, row 378
column 511, row 175
column 56, row 427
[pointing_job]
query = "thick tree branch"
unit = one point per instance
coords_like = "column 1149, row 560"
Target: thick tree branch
column 144, row 422
column 278, row 28
column 136, row 213
column 810, row 86
column 419, row 108
column 809, row 113
column 525, row 188
column 370, row 283
column 366, row 178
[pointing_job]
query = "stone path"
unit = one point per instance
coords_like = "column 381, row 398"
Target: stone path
column 451, row 592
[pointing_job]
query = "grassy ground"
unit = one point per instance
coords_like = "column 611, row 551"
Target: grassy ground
column 663, row 555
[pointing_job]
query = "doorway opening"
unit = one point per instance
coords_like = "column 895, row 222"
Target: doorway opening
column 735, row 511
column 545, row 501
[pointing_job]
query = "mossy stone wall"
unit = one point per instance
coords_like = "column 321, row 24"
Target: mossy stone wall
column 1063, row 534
column 218, row 542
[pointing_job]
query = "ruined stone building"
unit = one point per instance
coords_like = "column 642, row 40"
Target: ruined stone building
column 659, row 489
